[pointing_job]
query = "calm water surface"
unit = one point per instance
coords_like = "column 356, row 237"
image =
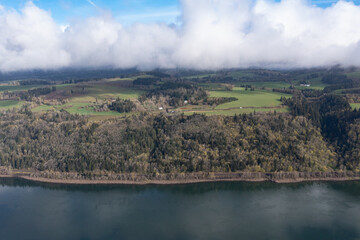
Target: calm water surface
column 200, row 211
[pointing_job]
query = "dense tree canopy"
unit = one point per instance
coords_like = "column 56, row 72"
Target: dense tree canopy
column 164, row 144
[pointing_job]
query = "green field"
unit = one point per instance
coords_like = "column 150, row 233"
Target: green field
column 256, row 99
column 200, row 76
column 266, row 84
column 74, row 107
column 62, row 86
column 241, row 74
column 232, row 112
column 81, row 97
column 315, row 84
column 42, row 108
column 15, row 88
column 83, row 109
column 127, row 78
column 355, row 105
column 102, row 90
column 248, row 102
column 10, row 104
column 212, row 86
column 108, row 91
column 85, row 97
column 353, row 75
column 86, row 94
column 80, row 103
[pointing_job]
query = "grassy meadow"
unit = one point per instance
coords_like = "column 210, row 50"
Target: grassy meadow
column 315, row 83
column 255, row 99
column 10, row 104
column 86, row 94
column 247, row 102
column 354, row 75
column 268, row 85
column 17, row 88
column 80, row 98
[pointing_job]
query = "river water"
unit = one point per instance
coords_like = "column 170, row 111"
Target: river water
column 232, row 210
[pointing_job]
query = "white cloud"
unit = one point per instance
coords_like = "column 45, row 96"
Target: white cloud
column 63, row 28
column 212, row 34
column 30, row 39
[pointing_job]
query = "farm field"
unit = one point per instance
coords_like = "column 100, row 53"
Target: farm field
column 258, row 100
column 127, row 78
column 270, row 85
column 353, row 75
column 15, row 88
column 231, row 112
column 241, row 74
column 86, row 94
column 82, row 106
column 315, row 83
column 80, row 98
column 248, row 102
column 109, row 91
column 10, row 104
column 255, row 99
column 92, row 97
column 200, row 76
column 42, row 108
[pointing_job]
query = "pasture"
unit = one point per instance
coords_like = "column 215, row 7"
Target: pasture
column 10, row 104
column 199, row 76
column 16, row 88
column 353, row 75
column 241, row 74
column 315, row 84
column 269, row 85
column 87, row 97
column 255, row 99
column 232, row 112
column 247, row 102
column 80, row 97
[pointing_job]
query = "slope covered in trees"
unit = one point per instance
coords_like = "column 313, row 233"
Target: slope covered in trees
column 164, row 144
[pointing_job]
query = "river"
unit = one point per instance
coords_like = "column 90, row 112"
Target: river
column 230, row 210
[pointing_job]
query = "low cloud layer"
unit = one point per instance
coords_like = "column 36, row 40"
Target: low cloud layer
column 212, row 34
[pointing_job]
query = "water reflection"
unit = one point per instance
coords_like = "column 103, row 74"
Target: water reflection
column 228, row 210
column 190, row 189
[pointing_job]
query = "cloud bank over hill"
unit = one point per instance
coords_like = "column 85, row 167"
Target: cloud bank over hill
column 211, row 34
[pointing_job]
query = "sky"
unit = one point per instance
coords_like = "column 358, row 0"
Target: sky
column 125, row 11
column 197, row 34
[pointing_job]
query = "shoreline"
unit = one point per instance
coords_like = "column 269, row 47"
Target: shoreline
column 179, row 181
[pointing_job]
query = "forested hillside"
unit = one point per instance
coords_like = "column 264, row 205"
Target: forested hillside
column 164, row 144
